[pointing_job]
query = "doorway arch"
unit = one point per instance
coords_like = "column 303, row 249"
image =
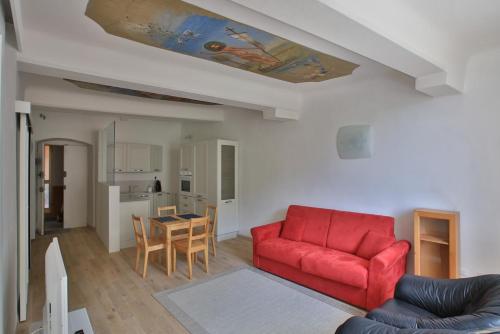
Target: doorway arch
column 38, row 174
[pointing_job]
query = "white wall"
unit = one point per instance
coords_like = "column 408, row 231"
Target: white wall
column 437, row 153
column 8, row 179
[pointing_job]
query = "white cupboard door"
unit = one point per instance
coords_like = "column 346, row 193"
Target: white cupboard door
column 227, row 170
column 200, row 169
column 138, row 158
column 187, row 157
column 156, row 158
column 75, row 182
column 120, row 157
column 186, row 204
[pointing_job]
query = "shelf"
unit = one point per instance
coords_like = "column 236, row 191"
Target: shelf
column 434, row 239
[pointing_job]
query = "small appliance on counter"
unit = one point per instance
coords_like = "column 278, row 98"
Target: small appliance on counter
column 157, row 185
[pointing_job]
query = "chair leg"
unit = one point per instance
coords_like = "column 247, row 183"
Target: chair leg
column 190, row 265
column 195, row 255
column 146, row 255
column 174, row 260
column 205, row 257
column 137, row 258
column 213, row 245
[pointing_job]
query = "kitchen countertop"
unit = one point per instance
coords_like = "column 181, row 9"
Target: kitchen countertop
column 139, row 196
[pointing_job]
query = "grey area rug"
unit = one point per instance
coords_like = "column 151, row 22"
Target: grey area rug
column 248, row 300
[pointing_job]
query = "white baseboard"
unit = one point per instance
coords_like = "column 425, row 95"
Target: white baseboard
column 226, row 236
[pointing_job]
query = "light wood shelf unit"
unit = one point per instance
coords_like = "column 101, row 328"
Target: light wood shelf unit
column 436, row 243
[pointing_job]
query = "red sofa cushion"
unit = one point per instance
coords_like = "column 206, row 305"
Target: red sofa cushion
column 373, row 243
column 285, row 251
column 337, row 266
column 313, row 222
column 293, row 228
column 348, row 229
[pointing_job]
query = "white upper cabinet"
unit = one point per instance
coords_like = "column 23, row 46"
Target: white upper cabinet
column 156, row 158
column 138, row 158
column 120, row 158
column 187, row 157
column 200, row 172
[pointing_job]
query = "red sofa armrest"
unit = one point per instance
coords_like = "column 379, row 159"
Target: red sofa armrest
column 261, row 233
column 384, row 272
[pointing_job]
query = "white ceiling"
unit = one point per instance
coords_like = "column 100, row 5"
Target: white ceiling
column 475, row 24
column 426, row 39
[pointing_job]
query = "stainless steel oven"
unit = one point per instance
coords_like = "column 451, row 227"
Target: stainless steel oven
column 186, row 184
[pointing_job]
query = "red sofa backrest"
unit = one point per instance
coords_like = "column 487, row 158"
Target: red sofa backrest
column 339, row 230
column 317, row 222
column 347, row 229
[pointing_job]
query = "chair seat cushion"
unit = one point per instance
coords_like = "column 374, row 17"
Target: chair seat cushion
column 183, row 244
column 285, row 251
column 337, row 266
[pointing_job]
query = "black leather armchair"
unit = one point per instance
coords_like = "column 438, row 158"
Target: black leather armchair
column 467, row 304
column 359, row 325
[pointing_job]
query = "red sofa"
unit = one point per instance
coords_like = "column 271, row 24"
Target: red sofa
column 351, row 256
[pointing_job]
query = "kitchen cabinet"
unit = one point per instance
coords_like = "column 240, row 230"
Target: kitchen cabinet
column 156, row 158
column 215, row 180
column 186, row 158
column 120, row 157
column 138, row 157
column 186, row 204
column 200, row 172
column 162, row 199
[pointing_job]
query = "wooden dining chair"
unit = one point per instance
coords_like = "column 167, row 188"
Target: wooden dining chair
column 211, row 212
column 144, row 244
column 197, row 241
column 167, row 210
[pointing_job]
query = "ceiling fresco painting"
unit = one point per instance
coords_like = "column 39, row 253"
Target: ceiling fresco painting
column 181, row 27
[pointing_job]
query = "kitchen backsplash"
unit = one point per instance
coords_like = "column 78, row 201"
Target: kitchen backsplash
column 135, row 186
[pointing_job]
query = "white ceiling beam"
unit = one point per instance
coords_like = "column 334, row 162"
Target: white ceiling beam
column 337, row 23
column 59, row 94
column 189, row 77
column 15, row 6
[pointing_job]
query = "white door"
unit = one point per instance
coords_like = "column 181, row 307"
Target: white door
column 40, row 188
column 23, row 214
column 227, row 170
column 200, row 173
column 138, row 158
column 75, row 182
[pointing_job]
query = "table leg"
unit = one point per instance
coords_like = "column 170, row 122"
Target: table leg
column 168, row 251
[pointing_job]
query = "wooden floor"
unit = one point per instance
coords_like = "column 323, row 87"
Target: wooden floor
column 117, row 298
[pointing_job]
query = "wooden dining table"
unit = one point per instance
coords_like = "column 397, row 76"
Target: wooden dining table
column 169, row 224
